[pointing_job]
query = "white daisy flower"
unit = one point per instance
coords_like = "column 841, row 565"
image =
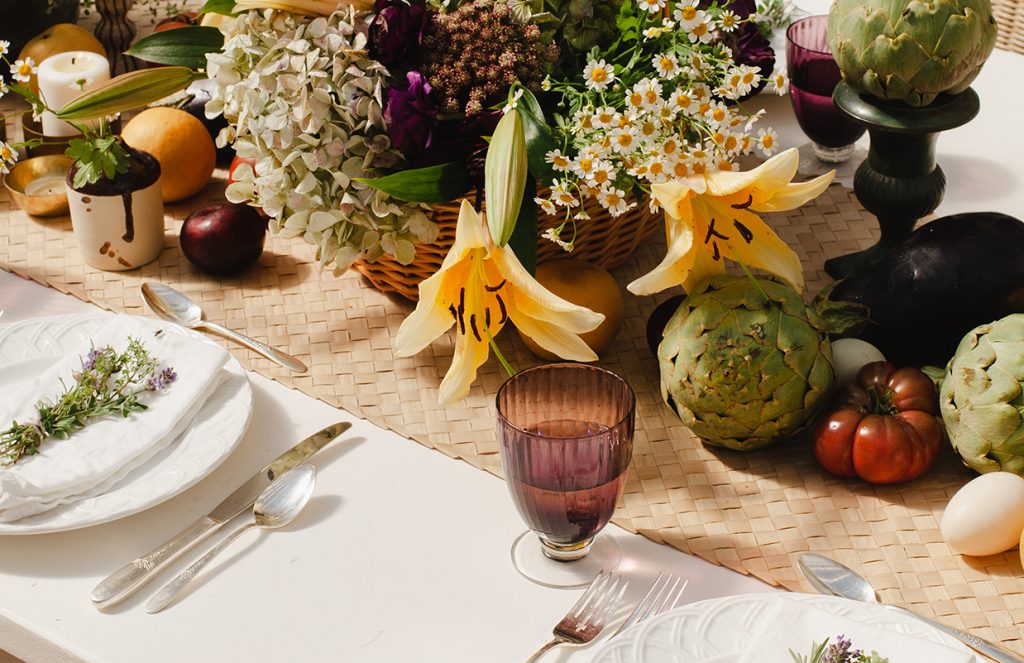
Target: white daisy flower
column 552, row 235
column 583, row 165
column 681, row 169
column 604, row 117
column 598, row 75
column 725, row 54
column 766, row 139
column 701, row 32
column 666, row 64
column 513, row 103
column 728, row 21
column 670, row 147
column 635, row 98
column 5, row 47
column 652, row 92
column 655, row 32
column 546, row 205
column 8, row 157
column 603, row 173
column 581, row 215
column 624, row 140
column 684, row 101
column 717, row 114
column 561, row 196
column 688, row 15
column 727, row 165
column 657, row 171
column 779, row 82
column 558, row 161
column 648, row 131
column 23, row 70
column 614, row 200
column 651, row 6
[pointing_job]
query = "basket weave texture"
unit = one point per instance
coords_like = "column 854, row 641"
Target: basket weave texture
column 1010, row 17
column 602, row 240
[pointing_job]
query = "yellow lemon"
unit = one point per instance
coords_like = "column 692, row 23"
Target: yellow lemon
column 180, row 143
column 586, row 285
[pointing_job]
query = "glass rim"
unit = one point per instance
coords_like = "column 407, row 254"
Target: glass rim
column 790, row 40
column 574, row 365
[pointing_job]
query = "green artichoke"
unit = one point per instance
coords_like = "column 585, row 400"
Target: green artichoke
column 745, row 362
column 911, row 50
column 982, row 397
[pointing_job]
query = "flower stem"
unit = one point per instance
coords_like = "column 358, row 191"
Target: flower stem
column 501, row 357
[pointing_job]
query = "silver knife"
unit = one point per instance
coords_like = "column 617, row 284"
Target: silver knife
column 122, row 583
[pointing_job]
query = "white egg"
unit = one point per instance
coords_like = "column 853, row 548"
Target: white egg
column 849, row 355
column 986, row 516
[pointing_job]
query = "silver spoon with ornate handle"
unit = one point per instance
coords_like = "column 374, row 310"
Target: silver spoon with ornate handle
column 830, row 577
column 275, row 507
column 174, row 306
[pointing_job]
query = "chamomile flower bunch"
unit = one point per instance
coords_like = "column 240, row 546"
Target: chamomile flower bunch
column 661, row 103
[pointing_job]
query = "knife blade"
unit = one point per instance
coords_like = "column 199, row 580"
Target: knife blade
column 122, row 583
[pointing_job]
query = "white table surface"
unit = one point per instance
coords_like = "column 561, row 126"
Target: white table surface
column 403, row 554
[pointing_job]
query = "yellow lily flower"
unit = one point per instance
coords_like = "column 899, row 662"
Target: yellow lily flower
column 711, row 217
column 478, row 288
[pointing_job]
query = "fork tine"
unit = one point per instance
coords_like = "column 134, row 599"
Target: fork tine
column 667, row 595
column 583, row 619
column 679, row 595
column 596, row 586
column 640, row 611
column 612, row 603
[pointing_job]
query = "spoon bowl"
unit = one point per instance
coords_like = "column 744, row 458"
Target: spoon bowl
column 276, row 506
column 176, row 307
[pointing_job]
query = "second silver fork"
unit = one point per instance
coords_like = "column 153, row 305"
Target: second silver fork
column 663, row 595
column 588, row 617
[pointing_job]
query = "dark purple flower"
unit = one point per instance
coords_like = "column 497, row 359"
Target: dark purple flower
column 410, row 116
column 397, row 31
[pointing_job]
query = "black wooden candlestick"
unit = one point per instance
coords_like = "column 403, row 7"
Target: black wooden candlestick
column 899, row 182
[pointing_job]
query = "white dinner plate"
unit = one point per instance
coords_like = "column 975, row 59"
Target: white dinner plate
column 32, row 346
column 720, row 630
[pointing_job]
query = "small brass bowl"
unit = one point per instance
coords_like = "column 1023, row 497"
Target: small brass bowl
column 28, row 171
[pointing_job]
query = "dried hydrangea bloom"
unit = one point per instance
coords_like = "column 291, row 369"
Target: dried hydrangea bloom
column 305, row 102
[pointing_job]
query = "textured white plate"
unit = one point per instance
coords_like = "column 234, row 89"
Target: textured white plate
column 721, row 629
column 31, row 346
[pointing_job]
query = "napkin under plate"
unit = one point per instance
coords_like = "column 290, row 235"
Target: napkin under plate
column 96, row 457
column 796, row 626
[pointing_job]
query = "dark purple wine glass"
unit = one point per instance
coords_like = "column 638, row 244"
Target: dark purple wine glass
column 813, row 75
column 565, row 434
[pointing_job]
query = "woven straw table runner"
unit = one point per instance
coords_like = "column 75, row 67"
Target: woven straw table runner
column 752, row 512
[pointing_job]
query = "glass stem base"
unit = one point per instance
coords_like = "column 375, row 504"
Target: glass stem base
column 536, row 561
column 833, row 154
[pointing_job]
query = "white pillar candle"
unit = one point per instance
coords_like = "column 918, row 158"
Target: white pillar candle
column 65, row 76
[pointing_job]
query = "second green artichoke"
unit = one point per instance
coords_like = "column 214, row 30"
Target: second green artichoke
column 745, row 363
column 982, row 397
column 911, row 50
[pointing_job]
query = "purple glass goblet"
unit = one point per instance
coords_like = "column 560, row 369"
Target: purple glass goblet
column 813, row 75
column 565, row 434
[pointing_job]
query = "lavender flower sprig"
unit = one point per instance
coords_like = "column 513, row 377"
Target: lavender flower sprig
column 840, row 651
column 109, row 383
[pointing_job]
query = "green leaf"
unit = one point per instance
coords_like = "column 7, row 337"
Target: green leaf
column 185, row 47
column 225, row 7
column 128, row 91
column 538, row 138
column 433, row 184
column 523, row 241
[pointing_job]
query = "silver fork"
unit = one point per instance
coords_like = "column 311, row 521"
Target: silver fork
column 664, row 594
column 589, row 616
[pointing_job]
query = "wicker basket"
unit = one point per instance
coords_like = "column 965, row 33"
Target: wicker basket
column 1010, row 17
column 602, row 240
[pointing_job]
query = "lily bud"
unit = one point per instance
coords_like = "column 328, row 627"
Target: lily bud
column 505, row 176
column 128, row 92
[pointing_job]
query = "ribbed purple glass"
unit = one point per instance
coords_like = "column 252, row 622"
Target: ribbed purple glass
column 813, row 75
column 565, row 433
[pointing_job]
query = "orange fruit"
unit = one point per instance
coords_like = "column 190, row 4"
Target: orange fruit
column 180, row 143
column 586, row 285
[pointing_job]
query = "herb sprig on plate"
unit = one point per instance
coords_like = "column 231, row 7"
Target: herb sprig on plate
column 108, row 383
column 840, row 651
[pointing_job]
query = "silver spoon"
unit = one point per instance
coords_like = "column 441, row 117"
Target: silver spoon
column 276, row 506
column 174, row 306
column 830, row 577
